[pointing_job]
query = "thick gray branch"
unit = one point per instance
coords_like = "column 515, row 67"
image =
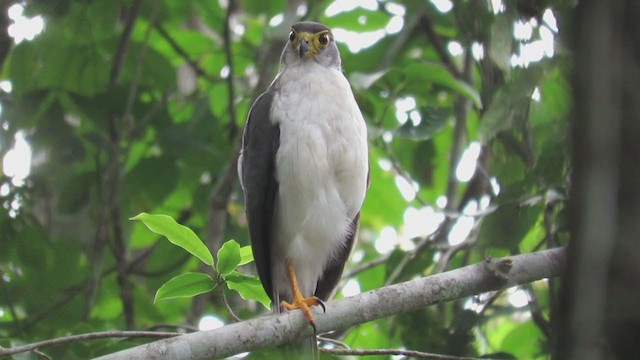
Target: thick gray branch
column 278, row 329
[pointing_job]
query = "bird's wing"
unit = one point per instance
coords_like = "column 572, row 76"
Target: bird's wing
column 260, row 143
column 326, row 286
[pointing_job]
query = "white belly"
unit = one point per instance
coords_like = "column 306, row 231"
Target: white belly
column 321, row 168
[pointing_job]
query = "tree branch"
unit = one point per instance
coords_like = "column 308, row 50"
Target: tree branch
column 82, row 337
column 427, row 26
column 114, row 178
column 231, row 109
column 107, row 184
column 279, row 329
column 123, row 44
column 180, row 51
column 411, row 353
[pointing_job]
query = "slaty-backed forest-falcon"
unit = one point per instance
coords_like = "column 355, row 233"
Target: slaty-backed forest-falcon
column 304, row 171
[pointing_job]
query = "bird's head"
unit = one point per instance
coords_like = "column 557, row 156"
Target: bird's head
column 311, row 41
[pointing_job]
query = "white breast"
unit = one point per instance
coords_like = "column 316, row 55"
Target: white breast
column 321, row 168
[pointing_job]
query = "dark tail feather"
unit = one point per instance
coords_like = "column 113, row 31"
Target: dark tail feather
column 305, row 349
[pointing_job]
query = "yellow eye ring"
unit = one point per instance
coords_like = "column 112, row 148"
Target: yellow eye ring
column 324, row 39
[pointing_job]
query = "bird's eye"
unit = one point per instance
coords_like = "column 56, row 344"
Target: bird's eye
column 324, row 39
column 292, row 36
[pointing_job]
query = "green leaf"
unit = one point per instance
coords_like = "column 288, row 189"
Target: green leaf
column 249, row 287
column 383, row 204
column 228, row 257
column 186, row 285
column 157, row 70
column 501, row 42
column 507, row 226
column 511, row 102
column 359, row 20
column 37, row 65
column 146, row 193
column 246, row 255
column 263, row 7
column 419, row 74
column 433, row 120
column 219, row 99
column 177, row 234
column 107, row 305
column 523, row 341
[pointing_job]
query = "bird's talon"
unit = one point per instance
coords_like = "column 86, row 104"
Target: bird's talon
column 322, row 305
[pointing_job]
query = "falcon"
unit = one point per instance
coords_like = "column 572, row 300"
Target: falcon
column 304, row 171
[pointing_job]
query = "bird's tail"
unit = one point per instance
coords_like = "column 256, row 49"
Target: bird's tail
column 304, row 349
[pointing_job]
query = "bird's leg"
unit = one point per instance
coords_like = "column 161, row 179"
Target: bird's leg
column 299, row 301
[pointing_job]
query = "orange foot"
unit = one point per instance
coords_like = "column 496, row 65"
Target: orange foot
column 299, row 301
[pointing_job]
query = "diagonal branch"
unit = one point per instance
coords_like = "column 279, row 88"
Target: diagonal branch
column 398, row 352
column 231, row 109
column 83, row 337
column 279, row 329
column 123, row 44
column 427, row 26
column 180, row 51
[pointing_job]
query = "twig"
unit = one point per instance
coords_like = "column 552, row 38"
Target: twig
column 82, row 337
column 96, row 253
column 449, row 254
column 5, row 39
column 183, row 54
column 366, row 266
column 185, row 327
column 400, row 352
column 114, row 177
column 123, row 44
column 434, row 38
column 226, row 304
column 120, row 253
column 405, row 260
column 401, row 39
column 461, row 109
column 536, row 313
column 487, row 304
column 333, row 341
column 162, row 271
column 395, row 163
column 68, row 295
column 41, row 355
column 127, row 117
column 233, row 126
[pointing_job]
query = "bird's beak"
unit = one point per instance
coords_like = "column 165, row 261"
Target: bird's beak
column 308, row 45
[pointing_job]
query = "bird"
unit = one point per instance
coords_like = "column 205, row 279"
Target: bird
column 304, row 170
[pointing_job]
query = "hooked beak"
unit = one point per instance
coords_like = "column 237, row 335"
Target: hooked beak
column 307, row 46
column 304, row 48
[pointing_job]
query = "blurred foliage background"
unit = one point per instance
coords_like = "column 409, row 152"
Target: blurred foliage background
column 123, row 106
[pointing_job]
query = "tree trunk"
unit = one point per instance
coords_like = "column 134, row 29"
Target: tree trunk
column 601, row 294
